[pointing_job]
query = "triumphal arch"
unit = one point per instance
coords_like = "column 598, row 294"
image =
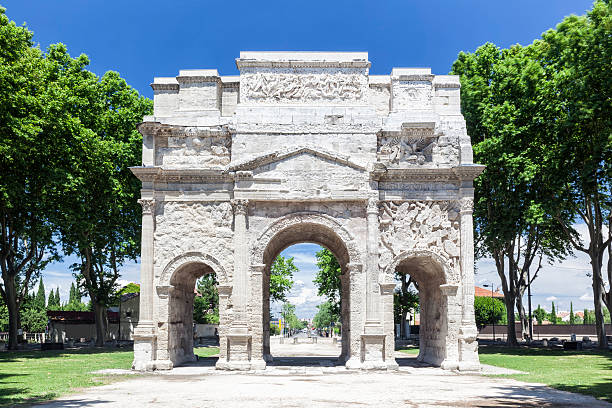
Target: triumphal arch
column 306, row 147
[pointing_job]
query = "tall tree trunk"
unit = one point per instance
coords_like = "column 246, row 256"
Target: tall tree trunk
column 522, row 316
column 403, row 324
column 608, row 295
column 100, row 317
column 510, row 315
column 13, row 311
column 598, row 297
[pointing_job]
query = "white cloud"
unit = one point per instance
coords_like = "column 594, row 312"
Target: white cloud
column 299, row 282
column 305, row 295
column 551, row 298
column 586, row 297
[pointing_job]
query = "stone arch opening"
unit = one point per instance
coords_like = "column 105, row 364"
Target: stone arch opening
column 181, row 296
column 308, row 231
column 428, row 271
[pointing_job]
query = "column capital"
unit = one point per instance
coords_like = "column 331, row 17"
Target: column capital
column 148, row 205
column 466, row 204
column 240, row 206
column 372, row 205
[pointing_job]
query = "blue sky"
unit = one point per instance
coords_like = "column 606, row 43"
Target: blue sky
column 143, row 39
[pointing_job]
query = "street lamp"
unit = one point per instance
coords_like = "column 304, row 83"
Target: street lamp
column 492, row 307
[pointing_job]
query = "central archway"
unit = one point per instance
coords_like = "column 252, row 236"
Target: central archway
column 312, row 228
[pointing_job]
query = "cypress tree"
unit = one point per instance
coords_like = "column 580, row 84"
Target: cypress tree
column 572, row 318
column 58, row 301
column 553, row 314
column 72, row 297
column 40, row 300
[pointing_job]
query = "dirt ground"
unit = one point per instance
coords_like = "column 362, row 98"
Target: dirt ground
column 306, row 375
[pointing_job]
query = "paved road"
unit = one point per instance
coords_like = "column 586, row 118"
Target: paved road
column 320, row 384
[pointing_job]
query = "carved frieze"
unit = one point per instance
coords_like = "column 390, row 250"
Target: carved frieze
column 286, row 87
column 416, row 226
column 192, row 149
column 412, row 95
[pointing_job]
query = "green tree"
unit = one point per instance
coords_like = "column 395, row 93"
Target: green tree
column 540, row 314
column 325, row 316
column 281, row 278
column 54, row 302
column 33, row 316
column 206, row 306
column 488, row 310
column 327, row 279
column 290, row 320
column 572, row 317
column 404, row 300
column 552, row 317
column 105, row 232
column 36, row 138
column 40, row 299
column 501, row 92
column 578, row 55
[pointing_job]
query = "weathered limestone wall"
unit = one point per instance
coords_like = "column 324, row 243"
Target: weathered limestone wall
column 307, row 147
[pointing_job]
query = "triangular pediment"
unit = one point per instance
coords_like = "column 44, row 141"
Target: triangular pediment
column 286, row 153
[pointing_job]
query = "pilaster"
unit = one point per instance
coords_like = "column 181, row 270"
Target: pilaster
column 468, row 346
column 144, row 333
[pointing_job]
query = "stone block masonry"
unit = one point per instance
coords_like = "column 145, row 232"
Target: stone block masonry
column 306, row 147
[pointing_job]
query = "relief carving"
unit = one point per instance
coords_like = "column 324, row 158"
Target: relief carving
column 307, row 87
column 416, row 226
column 412, row 95
column 410, row 149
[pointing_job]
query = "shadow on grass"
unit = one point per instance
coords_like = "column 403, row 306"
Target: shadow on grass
column 597, row 388
column 11, row 356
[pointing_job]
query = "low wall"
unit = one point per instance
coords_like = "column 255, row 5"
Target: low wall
column 206, row 330
column 562, row 331
column 88, row 330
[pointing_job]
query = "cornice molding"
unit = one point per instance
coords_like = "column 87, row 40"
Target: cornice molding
column 280, row 154
column 159, row 174
column 252, row 63
column 164, row 87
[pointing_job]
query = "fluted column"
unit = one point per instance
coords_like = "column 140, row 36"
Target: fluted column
column 239, row 338
column 468, row 346
column 373, row 298
column 240, row 266
column 144, row 333
column 146, row 262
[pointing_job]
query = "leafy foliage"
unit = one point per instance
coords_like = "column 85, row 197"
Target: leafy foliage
column 206, row 306
column 325, row 316
column 281, row 278
column 327, row 279
column 488, row 310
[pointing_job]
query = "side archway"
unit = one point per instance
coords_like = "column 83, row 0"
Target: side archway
column 439, row 305
column 176, row 292
column 192, row 258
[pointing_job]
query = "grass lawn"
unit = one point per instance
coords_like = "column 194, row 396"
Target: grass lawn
column 30, row 376
column 585, row 372
column 206, row 351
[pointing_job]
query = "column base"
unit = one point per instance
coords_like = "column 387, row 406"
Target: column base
column 373, row 351
column 239, row 354
column 468, row 366
column 144, row 347
column 163, row 365
column 449, row 365
column 468, row 349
